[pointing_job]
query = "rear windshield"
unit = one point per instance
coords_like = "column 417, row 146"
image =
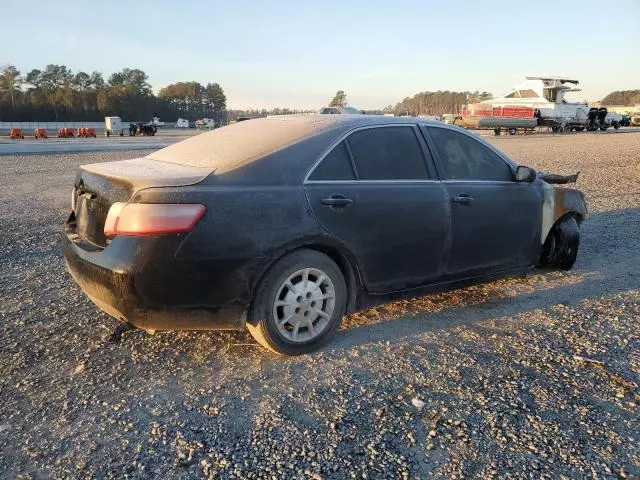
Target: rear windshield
column 227, row 148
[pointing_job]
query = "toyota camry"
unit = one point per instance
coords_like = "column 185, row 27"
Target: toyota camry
column 285, row 224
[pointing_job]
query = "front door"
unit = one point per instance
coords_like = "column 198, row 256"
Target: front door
column 495, row 221
column 375, row 193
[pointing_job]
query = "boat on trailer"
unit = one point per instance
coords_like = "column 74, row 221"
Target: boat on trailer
column 544, row 103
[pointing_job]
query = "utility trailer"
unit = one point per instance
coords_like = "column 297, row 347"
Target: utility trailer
column 113, row 126
column 510, row 118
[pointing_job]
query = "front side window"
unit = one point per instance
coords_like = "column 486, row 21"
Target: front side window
column 387, row 153
column 464, row 158
column 335, row 166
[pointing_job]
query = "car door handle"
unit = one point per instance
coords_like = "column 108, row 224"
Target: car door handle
column 463, row 198
column 336, row 201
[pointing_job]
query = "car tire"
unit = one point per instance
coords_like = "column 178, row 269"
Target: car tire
column 294, row 315
column 561, row 247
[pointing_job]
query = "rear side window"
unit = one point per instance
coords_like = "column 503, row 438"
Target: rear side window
column 387, row 153
column 335, row 166
column 463, row 158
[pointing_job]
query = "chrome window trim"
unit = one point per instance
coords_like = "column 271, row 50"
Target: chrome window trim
column 360, row 182
column 344, row 136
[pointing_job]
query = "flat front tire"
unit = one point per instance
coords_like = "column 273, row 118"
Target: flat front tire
column 561, row 247
column 299, row 304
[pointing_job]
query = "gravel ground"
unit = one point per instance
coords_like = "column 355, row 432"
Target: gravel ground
column 532, row 377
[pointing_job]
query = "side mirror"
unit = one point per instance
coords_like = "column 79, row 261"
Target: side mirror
column 525, row 174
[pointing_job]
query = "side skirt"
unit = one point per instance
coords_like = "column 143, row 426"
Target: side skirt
column 365, row 300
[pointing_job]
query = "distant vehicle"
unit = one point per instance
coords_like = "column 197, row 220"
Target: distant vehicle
column 182, row 123
column 285, row 224
column 156, row 122
column 141, row 128
column 449, row 117
column 435, row 118
column 113, row 126
column 207, row 123
column 340, row 111
column 242, row 119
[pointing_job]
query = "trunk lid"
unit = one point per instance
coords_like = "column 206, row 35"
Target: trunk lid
column 97, row 186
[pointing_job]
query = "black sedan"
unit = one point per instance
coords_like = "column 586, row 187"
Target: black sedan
column 285, row 224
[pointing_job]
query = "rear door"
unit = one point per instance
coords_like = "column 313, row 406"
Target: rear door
column 376, row 192
column 495, row 221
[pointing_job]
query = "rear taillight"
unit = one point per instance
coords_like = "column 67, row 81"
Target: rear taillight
column 151, row 218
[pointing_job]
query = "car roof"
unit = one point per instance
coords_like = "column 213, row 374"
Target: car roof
column 241, row 144
column 356, row 120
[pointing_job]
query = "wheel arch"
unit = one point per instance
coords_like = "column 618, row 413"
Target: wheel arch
column 335, row 251
column 560, row 203
column 580, row 217
column 347, row 266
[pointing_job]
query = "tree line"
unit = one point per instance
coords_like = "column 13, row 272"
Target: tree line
column 55, row 93
column 423, row 103
column 58, row 94
column 436, row 103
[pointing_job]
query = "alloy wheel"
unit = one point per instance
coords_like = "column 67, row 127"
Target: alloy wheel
column 304, row 305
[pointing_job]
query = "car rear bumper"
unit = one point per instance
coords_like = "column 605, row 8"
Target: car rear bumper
column 122, row 288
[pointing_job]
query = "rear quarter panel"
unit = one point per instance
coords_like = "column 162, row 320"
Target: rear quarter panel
column 243, row 231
